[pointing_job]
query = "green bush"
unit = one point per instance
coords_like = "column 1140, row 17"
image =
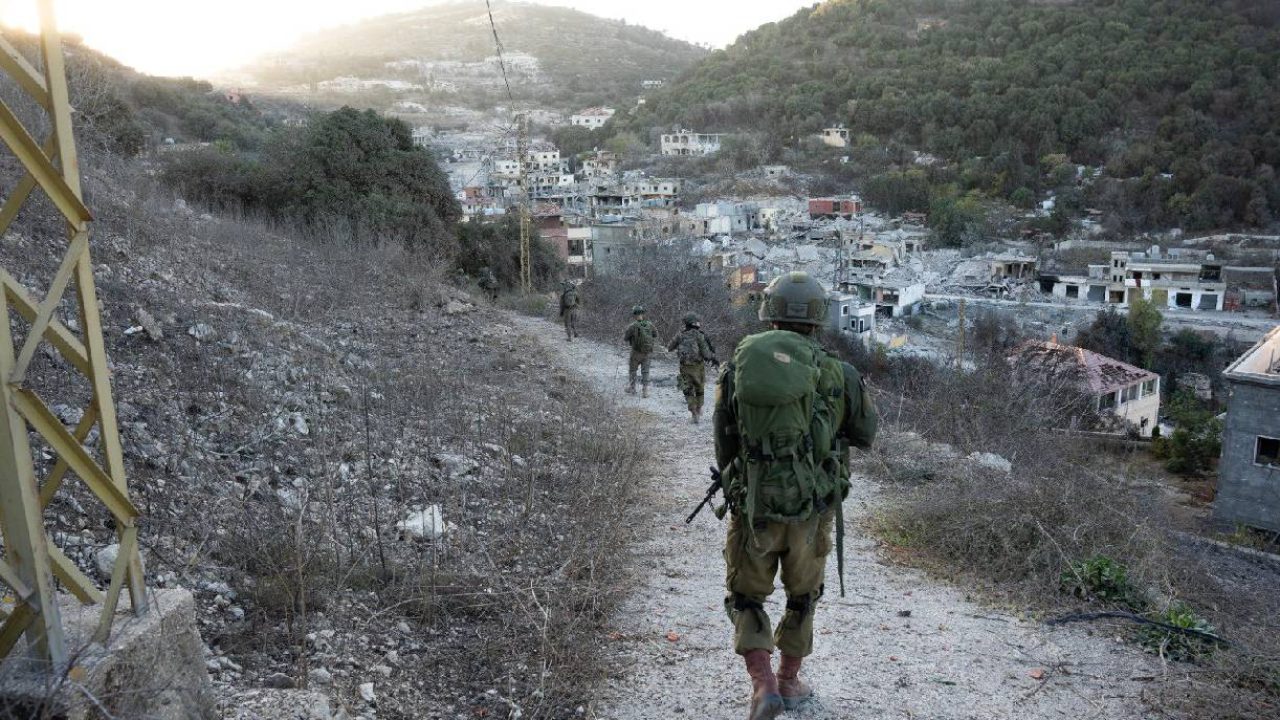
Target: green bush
column 1101, row 578
column 1176, row 645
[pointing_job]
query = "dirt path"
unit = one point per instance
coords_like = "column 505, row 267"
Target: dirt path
column 898, row 646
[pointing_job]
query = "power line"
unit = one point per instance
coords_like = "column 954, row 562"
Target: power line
column 502, row 64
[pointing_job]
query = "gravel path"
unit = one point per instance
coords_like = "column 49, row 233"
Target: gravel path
column 898, row 646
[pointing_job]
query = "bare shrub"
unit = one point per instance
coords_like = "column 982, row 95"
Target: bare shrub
column 668, row 283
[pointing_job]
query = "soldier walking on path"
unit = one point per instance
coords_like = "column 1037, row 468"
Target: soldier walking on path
column 640, row 336
column 786, row 414
column 694, row 349
column 569, row 304
column 489, row 284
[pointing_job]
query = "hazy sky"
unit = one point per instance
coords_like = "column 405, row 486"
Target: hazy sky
column 199, row 37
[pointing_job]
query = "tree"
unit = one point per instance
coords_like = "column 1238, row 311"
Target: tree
column 1196, row 440
column 1109, row 335
column 1144, row 330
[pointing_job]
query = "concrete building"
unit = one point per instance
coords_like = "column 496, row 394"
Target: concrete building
column 831, row 208
column 600, row 164
column 592, row 118
column 835, row 136
column 848, row 314
column 688, row 142
column 892, row 297
column 579, row 251
column 1165, row 281
column 1249, row 474
column 1127, row 393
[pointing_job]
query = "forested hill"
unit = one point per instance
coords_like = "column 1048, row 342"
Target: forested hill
column 1143, row 87
column 587, row 57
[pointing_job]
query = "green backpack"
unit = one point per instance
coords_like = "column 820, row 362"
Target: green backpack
column 642, row 336
column 789, row 400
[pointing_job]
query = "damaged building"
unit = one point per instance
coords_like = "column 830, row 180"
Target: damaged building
column 1128, row 393
column 1249, row 473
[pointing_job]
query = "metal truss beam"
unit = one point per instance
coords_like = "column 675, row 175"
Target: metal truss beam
column 32, row 565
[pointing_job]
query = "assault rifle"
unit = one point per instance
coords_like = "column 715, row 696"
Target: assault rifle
column 717, row 485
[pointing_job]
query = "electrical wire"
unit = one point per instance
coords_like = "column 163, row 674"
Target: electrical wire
column 502, row 64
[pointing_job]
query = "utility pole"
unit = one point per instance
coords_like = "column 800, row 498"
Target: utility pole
column 960, row 337
column 522, row 151
column 31, row 560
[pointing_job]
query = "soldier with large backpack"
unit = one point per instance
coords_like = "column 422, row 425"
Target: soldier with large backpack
column 786, row 414
column 569, row 304
column 693, row 348
column 640, row 336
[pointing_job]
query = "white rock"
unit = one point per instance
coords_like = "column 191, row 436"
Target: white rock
column 105, row 560
column 420, row 524
column 320, row 676
column 366, row 693
column 453, row 307
column 454, row 465
column 992, row 461
column 200, row 331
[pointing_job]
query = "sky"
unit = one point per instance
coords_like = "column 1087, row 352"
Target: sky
column 203, row 37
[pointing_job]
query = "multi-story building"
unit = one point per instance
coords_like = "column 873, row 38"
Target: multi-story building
column 600, row 164
column 1166, row 281
column 688, row 142
column 1249, row 473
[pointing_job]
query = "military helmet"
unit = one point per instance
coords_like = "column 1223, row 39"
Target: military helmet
column 691, row 319
column 795, row 297
column 637, row 310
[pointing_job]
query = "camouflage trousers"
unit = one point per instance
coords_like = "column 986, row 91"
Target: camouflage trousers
column 639, row 361
column 752, row 561
column 570, row 317
column 692, row 382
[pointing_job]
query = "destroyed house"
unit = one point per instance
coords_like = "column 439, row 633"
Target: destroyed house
column 1249, row 473
column 835, row 136
column 1124, row 391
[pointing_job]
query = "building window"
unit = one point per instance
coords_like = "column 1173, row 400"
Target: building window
column 1129, row 394
column 1106, row 402
column 1267, row 451
column 844, row 309
column 1148, row 387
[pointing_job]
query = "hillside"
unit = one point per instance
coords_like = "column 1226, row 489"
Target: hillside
column 1176, row 98
column 125, row 112
column 561, row 57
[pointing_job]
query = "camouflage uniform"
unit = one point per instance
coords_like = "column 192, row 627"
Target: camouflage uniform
column 569, row 304
column 489, row 283
column 753, row 559
column 694, row 350
column 640, row 334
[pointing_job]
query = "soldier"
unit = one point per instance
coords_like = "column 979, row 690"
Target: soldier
column 786, row 413
column 569, row 304
column 694, row 349
column 641, row 336
column 489, row 284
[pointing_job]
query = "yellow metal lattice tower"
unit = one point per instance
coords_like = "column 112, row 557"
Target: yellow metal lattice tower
column 31, row 562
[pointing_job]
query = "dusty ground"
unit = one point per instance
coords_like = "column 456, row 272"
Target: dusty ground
column 898, row 646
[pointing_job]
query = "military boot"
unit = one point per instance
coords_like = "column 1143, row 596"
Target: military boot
column 766, row 702
column 794, row 691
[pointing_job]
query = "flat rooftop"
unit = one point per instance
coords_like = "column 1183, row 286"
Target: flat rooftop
column 1261, row 364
